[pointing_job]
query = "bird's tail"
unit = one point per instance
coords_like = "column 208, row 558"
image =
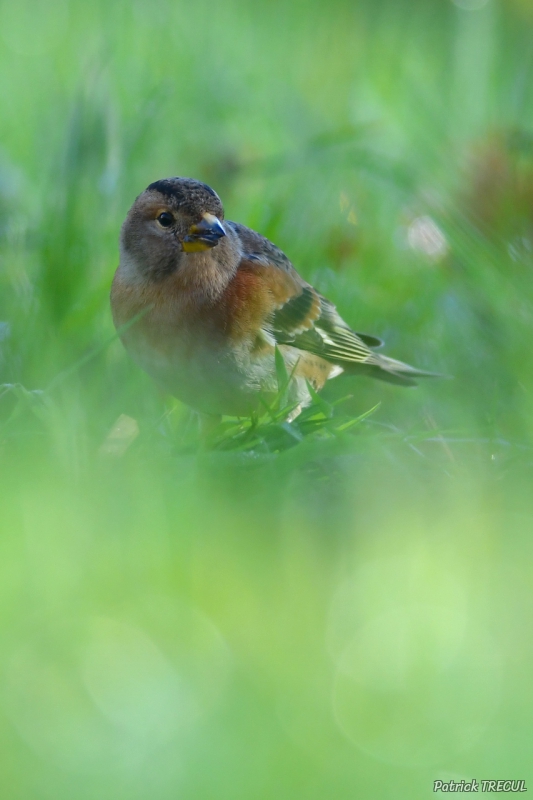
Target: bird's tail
column 393, row 371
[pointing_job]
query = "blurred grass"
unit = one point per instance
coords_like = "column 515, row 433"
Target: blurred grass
column 299, row 611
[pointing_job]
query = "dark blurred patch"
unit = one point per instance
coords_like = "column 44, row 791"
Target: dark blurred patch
column 498, row 191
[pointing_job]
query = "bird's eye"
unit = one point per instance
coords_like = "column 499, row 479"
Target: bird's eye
column 165, row 219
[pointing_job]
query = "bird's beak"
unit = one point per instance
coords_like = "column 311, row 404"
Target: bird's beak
column 203, row 235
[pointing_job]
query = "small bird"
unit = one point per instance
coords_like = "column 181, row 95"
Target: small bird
column 202, row 303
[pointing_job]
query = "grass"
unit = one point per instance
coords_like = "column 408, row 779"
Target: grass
column 337, row 607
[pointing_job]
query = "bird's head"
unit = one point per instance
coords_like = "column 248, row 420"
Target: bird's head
column 171, row 219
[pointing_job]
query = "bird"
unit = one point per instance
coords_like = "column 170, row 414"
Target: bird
column 206, row 306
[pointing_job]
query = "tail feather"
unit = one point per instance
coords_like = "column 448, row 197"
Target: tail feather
column 392, row 371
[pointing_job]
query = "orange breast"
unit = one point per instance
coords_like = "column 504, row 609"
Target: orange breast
column 251, row 297
column 170, row 312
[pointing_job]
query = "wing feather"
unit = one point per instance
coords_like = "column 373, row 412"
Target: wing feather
column 328, row 336
column 298, row 315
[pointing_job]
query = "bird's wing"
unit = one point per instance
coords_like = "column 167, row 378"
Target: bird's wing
column 299, row 316
column 310, row 322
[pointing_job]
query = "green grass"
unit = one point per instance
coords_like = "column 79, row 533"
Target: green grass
column 333, row 608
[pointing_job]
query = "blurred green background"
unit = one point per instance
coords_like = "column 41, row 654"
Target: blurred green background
column 333, row 612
